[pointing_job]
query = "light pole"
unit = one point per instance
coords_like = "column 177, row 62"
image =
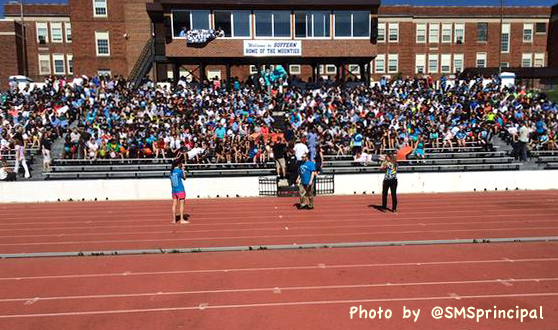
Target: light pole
column 24, row 31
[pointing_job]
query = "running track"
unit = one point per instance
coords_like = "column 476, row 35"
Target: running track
column 294, row 289
column 288, row 289
column 226, row 222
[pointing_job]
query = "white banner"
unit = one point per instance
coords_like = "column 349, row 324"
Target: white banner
column 272, row 48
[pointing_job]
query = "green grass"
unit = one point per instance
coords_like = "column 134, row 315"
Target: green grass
column 553, row 95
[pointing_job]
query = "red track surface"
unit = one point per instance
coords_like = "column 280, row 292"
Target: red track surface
column 93, row 226
column 295, row 289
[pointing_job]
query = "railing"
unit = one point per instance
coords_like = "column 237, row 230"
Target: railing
column 143, row 64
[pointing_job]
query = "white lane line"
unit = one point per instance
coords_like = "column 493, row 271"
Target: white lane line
column 280, row 289
column 205, row 239
column 530, row 221
column 283, row 268
column 294, row 303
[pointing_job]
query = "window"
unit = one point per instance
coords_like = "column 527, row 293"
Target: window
column 420, row 63
column 68, row 32
column 421, row 32
column 352, row 24
column 526, row 60
column 527, row 32
column 44, row 64
column 331, row 69
column 393, row 32
column 234, row 23
column 460, row 33
column 274, row 24
column 186, row 20
column 540, row 27
column 100, row 8
column 433, row 63
column 458, row 60
column 70, row 59
column 102, row 42
column 59, row 64
column 393, row 63
column 505, row 64
column 482, row 32
column 104, row 73
column 445, row 63
column 42, row 33
column 446, row 32
column 539, row 60
column 380, row 63
column 434, row 36
column 294, row 69
column 505, row 38
column 354, row 69
column 481, row 60
column 381, row 32
column 253, row 69
column 56, row 32
column 312, row 24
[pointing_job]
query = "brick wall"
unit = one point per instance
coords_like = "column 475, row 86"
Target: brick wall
column 553, row 38
column 10, row 53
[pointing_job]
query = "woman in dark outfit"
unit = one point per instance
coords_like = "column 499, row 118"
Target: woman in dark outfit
column 390, row 181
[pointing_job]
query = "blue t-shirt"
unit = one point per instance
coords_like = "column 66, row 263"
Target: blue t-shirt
column 357, row 140
column 305, row 172
column 220, row 132
column 176, row 177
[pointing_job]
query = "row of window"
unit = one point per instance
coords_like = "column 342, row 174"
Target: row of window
column 58, row 32
column 274, row 23
column 61, row 64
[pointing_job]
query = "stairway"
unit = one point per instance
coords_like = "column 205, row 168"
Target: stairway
column 143, row 64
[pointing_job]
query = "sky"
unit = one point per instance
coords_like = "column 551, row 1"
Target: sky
column 390, row 2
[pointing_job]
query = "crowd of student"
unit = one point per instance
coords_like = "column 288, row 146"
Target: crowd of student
column 208, row 123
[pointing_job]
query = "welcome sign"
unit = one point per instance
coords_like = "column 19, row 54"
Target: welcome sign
column 272, row 48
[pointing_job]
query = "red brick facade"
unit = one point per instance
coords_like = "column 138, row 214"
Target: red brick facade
column 129, row 27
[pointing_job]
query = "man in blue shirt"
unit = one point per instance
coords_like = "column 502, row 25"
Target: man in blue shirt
column 178, row 191
column 306, row 179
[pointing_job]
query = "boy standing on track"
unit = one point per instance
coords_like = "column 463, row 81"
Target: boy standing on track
column 178, row 192
column 306, row 179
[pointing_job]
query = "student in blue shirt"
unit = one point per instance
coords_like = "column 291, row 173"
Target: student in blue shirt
column 178, row 191
column 306, row 179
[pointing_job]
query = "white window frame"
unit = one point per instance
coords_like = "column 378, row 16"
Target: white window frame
column 459, row 27
column 434, row 33
column 421, row 33
column 68, row 27
column 528, row 56
column 293, row 32
column 70, row 58
column 434, row 57
column 209, row 17
column 382, row 27
column 42, row 25
column 505, row 64
column 212, row 21
column 545, row 28
column 352, row 26
column 381, row 69
column 59, row 57
column 481, row 56
column 539, row 57
column 506, row 29
column 56, row 26
column 528, row 27
column 99, row 35
column 395, row 26
column 396, row 58
column 450, row 34
column 354, row 69
column 44, row 57
column 420, row 60
column 104, row 72
column 292, row 69
column 330, row 69
column 458, row 57
column 445, row 61
column 253, row 69
column 95, row 6
column 272, row 25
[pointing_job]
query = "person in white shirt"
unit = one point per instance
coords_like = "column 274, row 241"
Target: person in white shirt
column 6, row 173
